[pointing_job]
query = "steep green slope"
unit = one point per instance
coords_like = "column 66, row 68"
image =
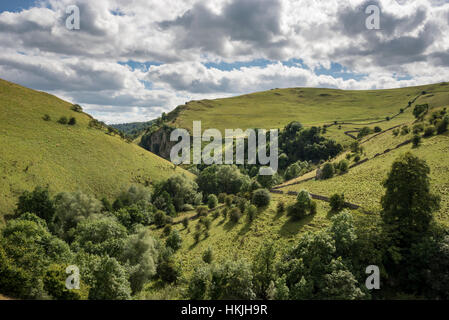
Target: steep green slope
column 67, row 158
column 310, row 106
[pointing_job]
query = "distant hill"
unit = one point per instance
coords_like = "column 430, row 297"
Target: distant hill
column 133, row 129
column 310, row 106
column 85, row 156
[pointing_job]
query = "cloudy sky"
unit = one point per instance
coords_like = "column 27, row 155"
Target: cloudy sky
column 131, row 60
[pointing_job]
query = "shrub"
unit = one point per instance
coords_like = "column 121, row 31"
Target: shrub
column 235, row 215
column 46, row 117
column 167, row 230
column 442, row 125
column 416, row 140
column 38, row 202
column 63, row 120
column 174, row 240
column 160, row 218
column 252, row 211
column 405, row 130
column 420, row 109
column 185, row 222
column 280, row 207
column 302, row 207
column 396, row 132
column 76, row 108
column 228, row 200
column 187, row 207
column 72, row 121
column 221, row 197
column 343, row 166
column 417, row 128
column 378, row 129
column 202, row 211
column 364, row 132
column 208, row 256
column 357, row 158
column 212, row 201
column 429, row 131
column 196, row 236
column 242, row 204
column 261, row 198
column 224, row 212
column 337, row 202
column 328, row 171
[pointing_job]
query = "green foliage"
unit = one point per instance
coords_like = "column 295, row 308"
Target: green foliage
column 132, row 216
column 337, row 202
column 160, row 219
column 63, row 120
column 377, row 129
column 72, row 121
column 405, row 130
column 328, row 171
column 263, row 268
column 280, row 207
column 420, row 109
column 100, row 235
column 231, row 280
column 167, row 269
column 343, row 166
column 76, row 108
column 208, row 256
column 174, row 240
column 181, row 189
column 218, row 179
column 408, row 203
column 442, row 125
column 38, row 202
column 71, row 209
column 46, row 117
column 364, row 132
column 54, row 281
column 429, row 131
column 235, row 215
column 261, row 198
column 212, row 201
column 111, row 281
column 136, row 195
column 185, row 223
column 140, row 255
column 416, row 140
column 27, row 249
column 302, row 207
column 252, row 211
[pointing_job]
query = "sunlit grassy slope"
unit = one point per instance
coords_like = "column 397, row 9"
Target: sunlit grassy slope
column 310, row 106
column 67, row 158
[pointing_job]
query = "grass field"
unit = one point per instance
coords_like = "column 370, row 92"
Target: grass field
column 67, row 158
column 310, row 106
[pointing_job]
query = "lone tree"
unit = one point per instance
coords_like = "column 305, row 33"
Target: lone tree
column 408, row 203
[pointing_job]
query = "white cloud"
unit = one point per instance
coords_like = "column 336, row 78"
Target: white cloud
column 39, row 52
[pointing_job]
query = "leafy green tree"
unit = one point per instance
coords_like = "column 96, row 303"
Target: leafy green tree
column 235, row 215
column 168, row 270
column 343, row 233
column 71, row 209
column 55, row 284
column 261, row 198
column 408, row 203
column 337, row 202
column 442, row 125
column 160, row 219
column 111, row 281
column 232, row 280
column 416, row 140
column 208, row 255
column 133, row 216
column 27, row 249
column 100, row 235
column 303, row 206
column 328, row 171
column 182, row 190
column 140, row 254
column 252, row 211
column 63, row 120
column 38, row 202
column 212, row 201
column 263, row 268
column 174, row 240
column 218, row 179
column 72, row 121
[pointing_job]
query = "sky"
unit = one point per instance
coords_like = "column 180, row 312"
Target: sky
column 131, row 60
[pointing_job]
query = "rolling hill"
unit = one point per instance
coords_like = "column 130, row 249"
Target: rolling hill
column 310, row 106
column 64, row 157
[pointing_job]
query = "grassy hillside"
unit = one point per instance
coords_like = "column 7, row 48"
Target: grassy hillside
column 310, row 106
column 67, row 158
